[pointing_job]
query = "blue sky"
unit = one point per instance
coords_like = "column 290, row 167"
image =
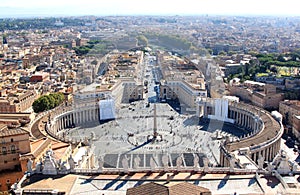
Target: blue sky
column 150, row 7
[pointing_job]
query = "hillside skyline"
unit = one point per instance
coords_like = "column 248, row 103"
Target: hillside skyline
column 31, row 8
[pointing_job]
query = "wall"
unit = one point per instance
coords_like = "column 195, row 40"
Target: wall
column 7, row 179
column 10, row 159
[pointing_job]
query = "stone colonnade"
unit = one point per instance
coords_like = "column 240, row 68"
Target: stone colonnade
column 74, row 118
column 252, row 119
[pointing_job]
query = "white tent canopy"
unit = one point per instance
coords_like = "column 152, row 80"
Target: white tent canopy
column 107, row 109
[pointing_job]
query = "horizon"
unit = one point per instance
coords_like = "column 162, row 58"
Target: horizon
column 69, row 8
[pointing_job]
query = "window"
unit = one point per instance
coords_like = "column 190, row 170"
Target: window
column 4, row 151
column 13, row 149
column 12, row 139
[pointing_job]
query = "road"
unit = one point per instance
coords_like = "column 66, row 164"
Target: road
column 35, row 129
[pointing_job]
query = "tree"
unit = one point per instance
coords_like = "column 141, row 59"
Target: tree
column 280, row 58
column 94, row 62
column 232, row 53
column 247, row 68
column 222, row 53
column 273, row 69
column 142, row 41
column 47, row 102
column 210, row 51
column 41, row 104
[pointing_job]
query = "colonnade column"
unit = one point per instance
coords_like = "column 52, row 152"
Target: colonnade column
column 263, row 153
column 244, row 120
column 95, row 114
column 74, row 118
column 68, row 120
column 238, row 118
column 65, row 121
column 269, row 154
column 80, row 116
column 254, row 157
column 248, row 122
column 85, row 116
column 60, row 124
column 272, row 151
column 197, row 109
column 91, row 115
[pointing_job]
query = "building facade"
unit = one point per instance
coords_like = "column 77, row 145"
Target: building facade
column 18, row 102
column 13, row 143
column 290, row 110
column 259, row 94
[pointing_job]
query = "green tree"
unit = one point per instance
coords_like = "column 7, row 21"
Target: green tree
column 232, row 53
column 280, row 58
column 94, row 62
column 222, row 53
column 210, row 51
column 47, row 102
column 247, row 68
column 142, row 41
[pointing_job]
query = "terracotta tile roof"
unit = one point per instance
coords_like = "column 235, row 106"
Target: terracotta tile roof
column 148, row 189
column 59, row 153
column 4, row 131
column 187, row 188
column 59, row 182
column 57, row 145
column 168, row 189
column 36, row 143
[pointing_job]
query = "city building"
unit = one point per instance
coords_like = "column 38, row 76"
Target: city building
column 271, row 79
column 180, row 80
column 259, row 94
column 292, row 83
column 296, row 126
column 290, row 110
column 17, row 101
column 14, row 142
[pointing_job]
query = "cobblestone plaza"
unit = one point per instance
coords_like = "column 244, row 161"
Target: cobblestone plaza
column 128, row 136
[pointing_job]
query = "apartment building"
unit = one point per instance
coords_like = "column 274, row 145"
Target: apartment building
column 259, row 94
column 296, row 126
column 182, row 90
column 17, row 102
column 181, row 80
column 268, row 98
column 13, row 143
column 290, row 110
